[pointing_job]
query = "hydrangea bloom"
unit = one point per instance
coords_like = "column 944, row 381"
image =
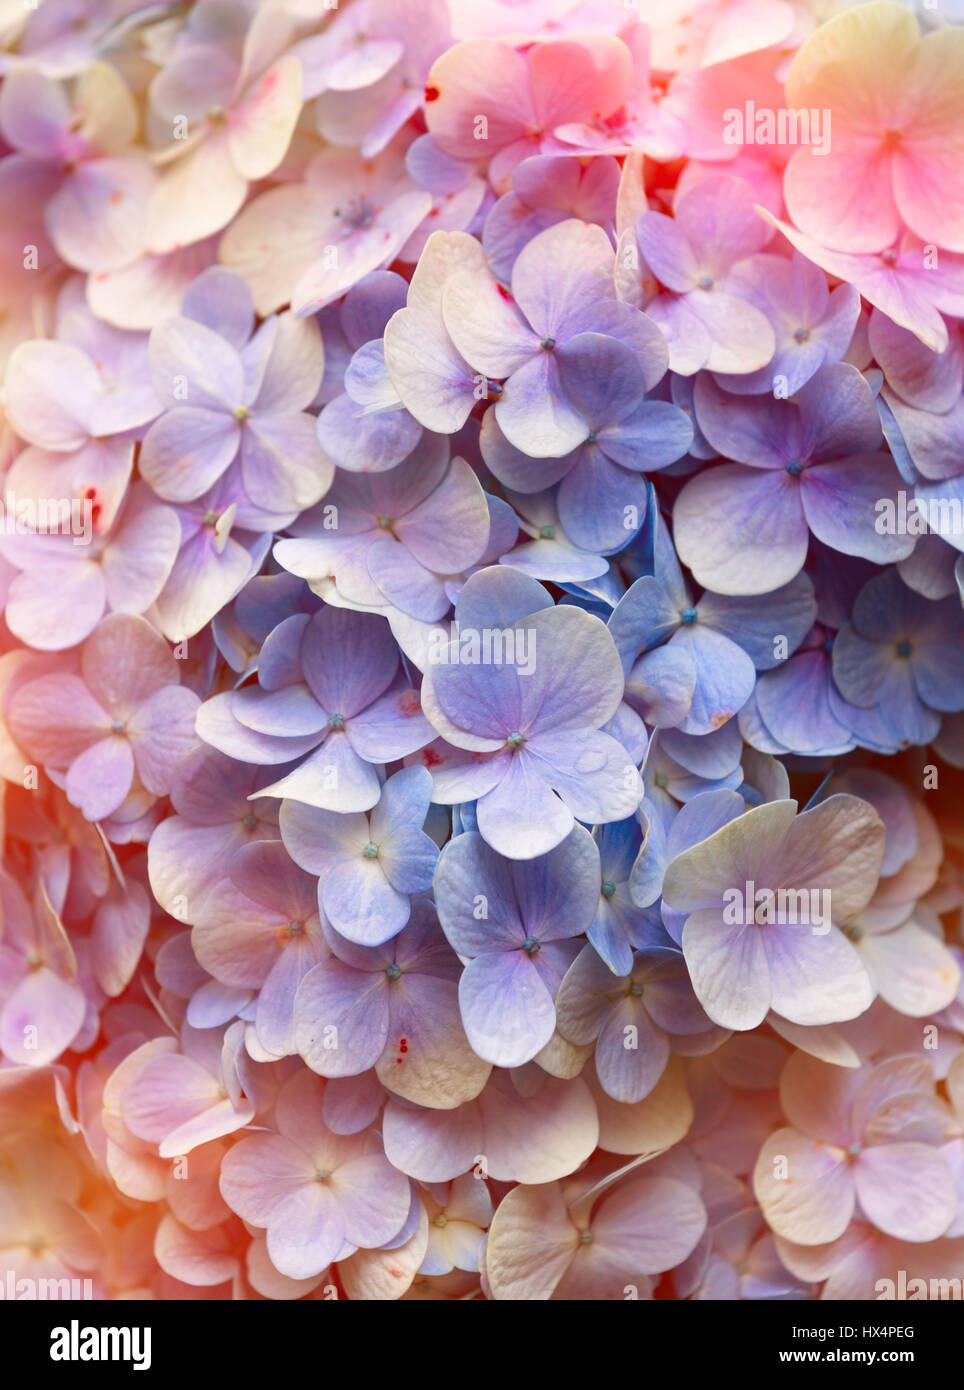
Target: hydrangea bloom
column 322, row 686
column 228, row 396
column 900, row 652
column 623, row 436
column 707, row 323
column 230, row 108
column 72, row 156
column 367, row 866
column 116, row 730
column 697, row 662
column 482, row 652
column 544, row 758
column 320, row 1210
column 64, row 586
column 258, row 929
column 851, row 1142
column 515, row 924
column 394, row 1009
column 654, row 1001
column 522, row 97
column 398, row 534
column 635, row 1231
column 80, row 401
column 817, row 469
column 895, row 126
column 748, row 954
column 561, row 289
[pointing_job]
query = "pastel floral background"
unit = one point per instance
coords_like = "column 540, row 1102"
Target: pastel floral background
column 482, row 654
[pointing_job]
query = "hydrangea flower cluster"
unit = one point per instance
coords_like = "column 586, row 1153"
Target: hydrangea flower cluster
column 482, row 648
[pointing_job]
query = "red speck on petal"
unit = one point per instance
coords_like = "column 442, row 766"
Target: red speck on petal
column 431, row 759
column 409, row 703
column 432, row 93
column 116, row 197
column 504, row 293
column 89, row 496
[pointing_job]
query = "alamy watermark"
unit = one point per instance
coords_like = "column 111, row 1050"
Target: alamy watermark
column 753, row 906
column 47, row 516
column 906, row 515
column 487, row 646
column 76, row 1343
column 26, row 1289
column 787, row 125
column 914, row 1290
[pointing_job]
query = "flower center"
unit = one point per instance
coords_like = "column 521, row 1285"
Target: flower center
column 322, row 1175
column 548, row 344
column 548, row 533
column 892, row 139
column 515, row 740
column 904, row 649
column 531, row 946
column 802, row 335
column 370, row 851
column 383, row 522
column 241, row 414
column 393, row 972
column 336, row 721
column 794, row 468
column 608, row 888
column 661, row 780
column 586, row 1238
column 117, row 727
column 636, row 990
column 689, row 616
column 360, row 214
column 250, row 821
